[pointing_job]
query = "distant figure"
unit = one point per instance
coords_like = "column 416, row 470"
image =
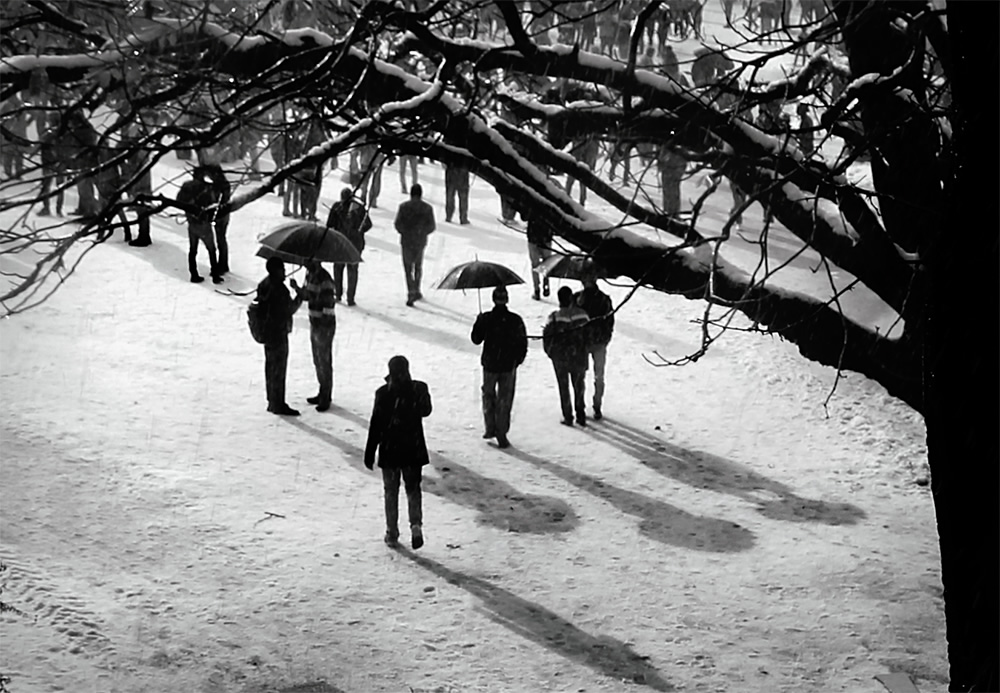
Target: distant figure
column 277, row 308
column 671, row 167
column 350, row 218
column 599, row 309
column 404, row 161
column 13, row 150
column 310, row 182
column 505, row 344
column 805, row 134
column 456, row 182
column 396, row 432
column 369, row 166
column 564, row 341
column 539, row 250
column 199, row 199
column 414, row 222
column 223, row 191
column 320, row 293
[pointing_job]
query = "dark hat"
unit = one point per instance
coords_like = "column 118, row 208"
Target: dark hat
column 399, row 366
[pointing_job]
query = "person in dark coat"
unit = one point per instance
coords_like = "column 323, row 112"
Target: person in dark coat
column 600, row 311
column 505, row 344
column 277, row 308
column 414, row 222
column 199, row 200
column 319, row 291
column 804, row 136
column 396, row 433
column 456, row 182
column 223, row 191
column 671, row 166
column 350, row 218
column 564, row 341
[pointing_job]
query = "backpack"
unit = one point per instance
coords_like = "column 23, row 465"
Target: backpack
column 255, row 320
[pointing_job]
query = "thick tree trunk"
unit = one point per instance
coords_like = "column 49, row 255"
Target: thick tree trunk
column 961, row 368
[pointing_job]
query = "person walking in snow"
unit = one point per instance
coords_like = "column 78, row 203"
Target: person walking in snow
column 600, row 311
column 505, row 344
column 396, row 434
column 320, row 292
column 350, row 218
column 564, row 341
column 414, row 222
column 539, row 235
column 277, row 308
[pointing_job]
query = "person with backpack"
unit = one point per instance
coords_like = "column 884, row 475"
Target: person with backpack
column 600, row 327
column 349, row 217
column 505, row 344
column 564, row 341
column 396, row 434
column 276, row 308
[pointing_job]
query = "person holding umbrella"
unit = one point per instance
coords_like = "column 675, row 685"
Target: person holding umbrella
column 350, row 218
column 277, row 307
column 396, row 433
column 563, row 339
column 598, row 307
column 321, row 294
column 505, row 344
column 414, row 222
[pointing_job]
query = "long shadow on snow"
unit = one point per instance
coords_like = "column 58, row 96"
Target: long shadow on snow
column 430, row 335
column 660, row 521
column 702, row 470
column 500, row 505
column 606, row 655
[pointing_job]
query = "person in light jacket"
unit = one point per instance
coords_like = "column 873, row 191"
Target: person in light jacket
column 396, row 434
column 505, row 344
column 564, row 341
column 319, row 291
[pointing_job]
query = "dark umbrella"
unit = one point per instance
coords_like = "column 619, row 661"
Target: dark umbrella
column 478, row 275
column 300, row 242
column 567, row 267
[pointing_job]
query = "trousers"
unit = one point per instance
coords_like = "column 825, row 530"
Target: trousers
column 411, row 477
column 577, row 377
column 498, row 399
column 352, row 280
column 275, row 369
column 321, row 332
column 413, row 268
column 599, row 355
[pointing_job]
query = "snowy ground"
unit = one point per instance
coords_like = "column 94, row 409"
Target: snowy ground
column 720, row 530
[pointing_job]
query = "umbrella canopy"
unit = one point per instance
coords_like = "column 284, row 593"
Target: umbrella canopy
column 567, row 267
column 478, row 275
column 299, row 242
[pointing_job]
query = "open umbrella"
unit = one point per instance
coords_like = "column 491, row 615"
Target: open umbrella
column 567, row 267
column 477, row 275
column 299, row 242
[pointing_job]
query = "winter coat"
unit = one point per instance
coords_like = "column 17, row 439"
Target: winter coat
column 198, row 198
column 597, row 305
column 504, row 339
column 277, row 308
column 396, row 429
column 456, row 177
column 539, row 233
column 351, row 219
column 321, row 293
column 564, row 338
column 414, row 222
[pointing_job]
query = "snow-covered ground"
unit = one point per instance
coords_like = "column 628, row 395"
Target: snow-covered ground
column 719, row 530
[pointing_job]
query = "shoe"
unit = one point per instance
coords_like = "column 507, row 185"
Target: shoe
column 502, row 441
column 313, row 400
column 488, row 435
column 465, row 222
column 323, row 406
column 285, row 411
column 566, row 422
column 410, row 303
column 545, row 291
column 140, row 243
column 597, row 414
column 336, row 299
column 447, row 220
column 581, row 421
column 196, row 279
column 418, row 297
column 417, row 536
column 391, row 540
column 536, row 296
column 350, row 301
column 217, row 279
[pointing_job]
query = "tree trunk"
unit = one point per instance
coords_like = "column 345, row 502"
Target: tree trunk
column 961, row 367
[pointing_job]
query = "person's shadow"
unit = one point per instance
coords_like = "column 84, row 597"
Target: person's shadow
column 606, row 655
column 498, row 503
column 702, row 470
column 658, row 520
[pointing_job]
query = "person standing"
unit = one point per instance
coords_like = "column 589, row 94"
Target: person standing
column 414, row 222
column 456, row 182
column 320, row 292
column 671, row 167
column 349, row 217
column 396, row 433
column 404, row 161
column 564, row 341
column 277, row 308
column 223, row 191
column 597, row 305
column 804, row 136
column 198, row 199
column 539, row 250
column 505, row 344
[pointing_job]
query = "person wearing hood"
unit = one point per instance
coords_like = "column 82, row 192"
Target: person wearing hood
column 396, row 435
column 564, row 341
column 505, row 344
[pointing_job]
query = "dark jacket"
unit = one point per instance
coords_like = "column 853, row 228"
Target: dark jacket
column 504, row 339
column 414, row 222
column 277, row 308
column 396, row 428
column 597, row 305
column 539, row 233
column 564, row 338
column 198, row 197
column 351, row 219
column 456, row 177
